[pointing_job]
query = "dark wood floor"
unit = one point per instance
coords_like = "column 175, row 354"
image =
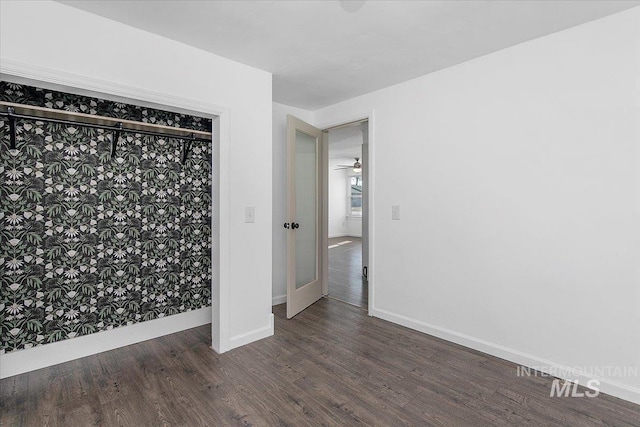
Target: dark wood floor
column 330, row 365
column 346, row 282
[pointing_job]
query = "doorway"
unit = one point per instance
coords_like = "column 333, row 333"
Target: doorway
column 307, row 225
column 347, row 214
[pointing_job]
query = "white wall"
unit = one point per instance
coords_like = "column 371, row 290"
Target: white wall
column 520, row 228
column 354, row 226
column 96, row 51
column 279, row 244
column 338, row 198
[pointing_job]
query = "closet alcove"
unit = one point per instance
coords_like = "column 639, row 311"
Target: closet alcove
column 94, row 238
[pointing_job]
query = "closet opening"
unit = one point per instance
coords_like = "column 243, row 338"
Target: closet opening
column 110, row 215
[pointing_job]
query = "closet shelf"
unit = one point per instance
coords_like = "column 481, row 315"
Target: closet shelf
column 15, row 111
column 49, row 114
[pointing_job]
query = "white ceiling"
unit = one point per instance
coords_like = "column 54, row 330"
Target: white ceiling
column 323, row 52
column 345, row 144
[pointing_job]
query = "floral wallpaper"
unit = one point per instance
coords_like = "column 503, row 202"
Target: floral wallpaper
column 89, row 242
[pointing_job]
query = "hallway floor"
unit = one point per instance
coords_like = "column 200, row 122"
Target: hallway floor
column 346, row 282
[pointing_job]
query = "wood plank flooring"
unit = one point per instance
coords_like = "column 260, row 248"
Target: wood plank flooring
column 346, row 282
column 330, row 365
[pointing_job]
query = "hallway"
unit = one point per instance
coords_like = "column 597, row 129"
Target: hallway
column 346, row 282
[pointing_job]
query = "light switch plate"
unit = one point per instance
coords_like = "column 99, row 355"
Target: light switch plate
column 395, row 212
column 250, row 214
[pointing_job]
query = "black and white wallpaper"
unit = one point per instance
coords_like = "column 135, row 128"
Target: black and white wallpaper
column 89, row 242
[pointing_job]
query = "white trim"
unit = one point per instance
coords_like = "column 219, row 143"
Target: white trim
column 65, row 79
column 220, row 114
column 221, row 311
column 607, row 386
column 21, row 361
column 255, row 335
column 280, row 299
column 371, row 178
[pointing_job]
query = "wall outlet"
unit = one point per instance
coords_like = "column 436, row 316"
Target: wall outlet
column 395, row 212
column 250, row 214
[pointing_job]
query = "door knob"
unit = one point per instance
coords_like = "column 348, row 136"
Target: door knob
column 294, row 225
column 286, row 225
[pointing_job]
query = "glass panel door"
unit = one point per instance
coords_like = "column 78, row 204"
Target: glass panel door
column 303, row 226
column 306, row 183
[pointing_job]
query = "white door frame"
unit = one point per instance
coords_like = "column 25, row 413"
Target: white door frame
column 371, row 276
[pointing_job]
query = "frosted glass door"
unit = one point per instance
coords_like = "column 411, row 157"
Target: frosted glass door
column 306, row 183
column 303, row 226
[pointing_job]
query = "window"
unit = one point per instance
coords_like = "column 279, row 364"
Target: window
column 355, row 195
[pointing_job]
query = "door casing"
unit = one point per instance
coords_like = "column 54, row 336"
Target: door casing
column 368, row 117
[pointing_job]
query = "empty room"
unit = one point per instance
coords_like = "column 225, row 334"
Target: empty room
column 340, row 212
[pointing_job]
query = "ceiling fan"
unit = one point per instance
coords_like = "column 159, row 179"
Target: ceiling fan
column 357, row 166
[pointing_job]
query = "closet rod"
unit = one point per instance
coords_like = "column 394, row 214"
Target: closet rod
column 190, row 136
column 29, row 112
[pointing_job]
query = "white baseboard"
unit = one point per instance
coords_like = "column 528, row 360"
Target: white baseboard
column 255, row 335
column 18, row 362
column 333, row 236
column 280, row 299
column 613, row 388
